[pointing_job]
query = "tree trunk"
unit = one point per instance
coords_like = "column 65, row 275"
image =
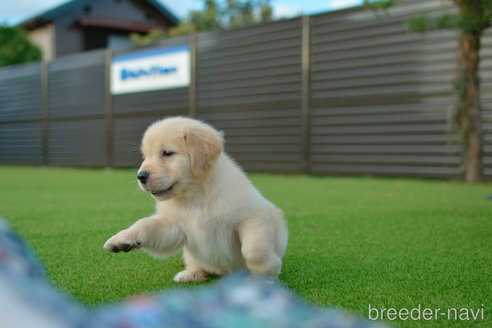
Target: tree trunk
column 468, row 105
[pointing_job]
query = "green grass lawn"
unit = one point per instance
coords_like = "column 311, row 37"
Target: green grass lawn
column 353, row 241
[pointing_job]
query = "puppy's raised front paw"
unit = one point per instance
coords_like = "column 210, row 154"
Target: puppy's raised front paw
column 190, row 275
column 122, row 242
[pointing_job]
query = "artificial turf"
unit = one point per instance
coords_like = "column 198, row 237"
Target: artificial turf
column 353, row 241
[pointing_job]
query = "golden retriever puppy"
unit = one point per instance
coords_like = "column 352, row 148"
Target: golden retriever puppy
column 205, row 205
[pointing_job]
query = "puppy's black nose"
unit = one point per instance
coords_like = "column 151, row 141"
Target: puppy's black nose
column 142, row 176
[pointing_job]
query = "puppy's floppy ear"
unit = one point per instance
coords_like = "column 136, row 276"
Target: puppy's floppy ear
column 205, row 146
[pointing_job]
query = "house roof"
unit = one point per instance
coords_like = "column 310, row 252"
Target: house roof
column 117, row 24
column 51, row 14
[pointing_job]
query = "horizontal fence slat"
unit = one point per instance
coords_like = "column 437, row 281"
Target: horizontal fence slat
column 387, row 170
column 388, row 159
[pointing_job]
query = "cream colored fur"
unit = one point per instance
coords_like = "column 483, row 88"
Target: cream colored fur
column 212, row 211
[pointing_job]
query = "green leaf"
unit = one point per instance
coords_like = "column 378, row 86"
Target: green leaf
column 15, row 48
column 418, row 24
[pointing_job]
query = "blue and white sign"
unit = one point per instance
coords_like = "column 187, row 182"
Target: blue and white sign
column 154, row 69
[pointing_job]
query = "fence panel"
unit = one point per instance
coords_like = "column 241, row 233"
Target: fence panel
column 486, row 99
column 21, row 114
column 20, row 93
column 77, row 143
column 249, row 86
column 21, row 143
column 381, row 96
column 76, row 85
column 76, row 106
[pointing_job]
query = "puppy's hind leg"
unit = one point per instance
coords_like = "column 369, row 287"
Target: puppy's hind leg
column 258, row 247
column 193, row 272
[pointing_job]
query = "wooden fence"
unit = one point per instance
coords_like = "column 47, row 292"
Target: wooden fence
column 344, row 92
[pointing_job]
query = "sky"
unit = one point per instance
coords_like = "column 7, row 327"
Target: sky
column 15, row 11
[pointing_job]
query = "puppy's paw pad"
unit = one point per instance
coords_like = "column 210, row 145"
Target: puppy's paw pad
column 190, row 275
column 115, row 245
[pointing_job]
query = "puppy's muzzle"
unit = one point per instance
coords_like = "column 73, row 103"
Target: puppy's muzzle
column 143, row 176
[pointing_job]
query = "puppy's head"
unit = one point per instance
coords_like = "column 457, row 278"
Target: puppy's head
column 177, row 152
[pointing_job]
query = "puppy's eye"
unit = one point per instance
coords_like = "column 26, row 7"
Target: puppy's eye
column 167, row 153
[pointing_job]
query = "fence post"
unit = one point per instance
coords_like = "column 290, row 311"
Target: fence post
column 305, row 88
column 45, row 111
column 192, row 41
column 108, row 104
